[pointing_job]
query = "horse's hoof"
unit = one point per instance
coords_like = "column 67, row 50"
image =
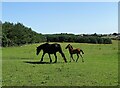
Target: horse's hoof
column 55, row 61
column 73, row 60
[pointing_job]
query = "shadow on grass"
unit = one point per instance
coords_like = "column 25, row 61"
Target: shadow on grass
column 37, row 62
column 27, row 58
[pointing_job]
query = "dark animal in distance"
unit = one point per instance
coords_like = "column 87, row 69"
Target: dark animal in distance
column 77, row 51
column 50, row 49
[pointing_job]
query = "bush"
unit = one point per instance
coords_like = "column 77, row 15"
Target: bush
column 77, row 38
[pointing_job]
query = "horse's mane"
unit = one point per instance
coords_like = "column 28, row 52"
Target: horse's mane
column 42, row 45
column 46, row 43
column 70, row 46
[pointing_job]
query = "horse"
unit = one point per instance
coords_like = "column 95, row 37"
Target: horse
column 75, row 51
column 50, row 49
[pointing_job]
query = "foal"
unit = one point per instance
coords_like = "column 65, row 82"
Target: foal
column 74, row 51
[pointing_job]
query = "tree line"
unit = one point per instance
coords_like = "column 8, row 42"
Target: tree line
column 64, row 37
column 18, row 34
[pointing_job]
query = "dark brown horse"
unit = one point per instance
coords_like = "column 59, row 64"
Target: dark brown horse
column 75, row 51
column 50, row 49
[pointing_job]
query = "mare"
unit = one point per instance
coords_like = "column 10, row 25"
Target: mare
column 50, row 49
column 75, row 51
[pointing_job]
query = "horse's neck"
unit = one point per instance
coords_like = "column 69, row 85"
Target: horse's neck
column 41, row 47
column 70, row 49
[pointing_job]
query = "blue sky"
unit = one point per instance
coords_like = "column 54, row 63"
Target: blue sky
column 64, row 17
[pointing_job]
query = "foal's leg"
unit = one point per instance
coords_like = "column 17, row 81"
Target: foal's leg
column 72, row 57
column 42, row 57
column 77, row 57
column 55, row 57
column 50, row 58
column 82, row 58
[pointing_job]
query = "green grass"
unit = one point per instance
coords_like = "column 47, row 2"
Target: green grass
column 99, row 69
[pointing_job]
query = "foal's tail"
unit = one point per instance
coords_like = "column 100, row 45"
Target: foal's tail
column 82, row 51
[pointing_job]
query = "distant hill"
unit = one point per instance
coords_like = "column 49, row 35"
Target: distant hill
column 18, row 34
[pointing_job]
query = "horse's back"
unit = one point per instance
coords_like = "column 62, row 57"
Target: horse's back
column 52, row 48
column 74, row 51
column 56, row 46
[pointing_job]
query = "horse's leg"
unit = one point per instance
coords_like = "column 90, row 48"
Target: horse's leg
column 72, row 57
column 62, row 54
column 55, row 57
column 42, row 57
column 77, row 57
column 50, row 58
column 82, row 58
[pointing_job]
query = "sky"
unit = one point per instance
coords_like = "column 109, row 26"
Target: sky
column 64, row 17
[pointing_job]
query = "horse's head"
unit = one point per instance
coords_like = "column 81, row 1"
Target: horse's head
column 38, row 50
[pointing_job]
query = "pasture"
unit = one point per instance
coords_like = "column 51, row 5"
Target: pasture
column 20, row 66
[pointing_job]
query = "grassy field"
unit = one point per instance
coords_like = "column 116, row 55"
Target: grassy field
column 20, row 67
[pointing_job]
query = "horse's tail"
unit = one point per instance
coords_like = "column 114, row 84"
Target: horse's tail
column 82, row 51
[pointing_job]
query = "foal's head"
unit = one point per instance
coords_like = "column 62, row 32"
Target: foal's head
column 69, row 46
